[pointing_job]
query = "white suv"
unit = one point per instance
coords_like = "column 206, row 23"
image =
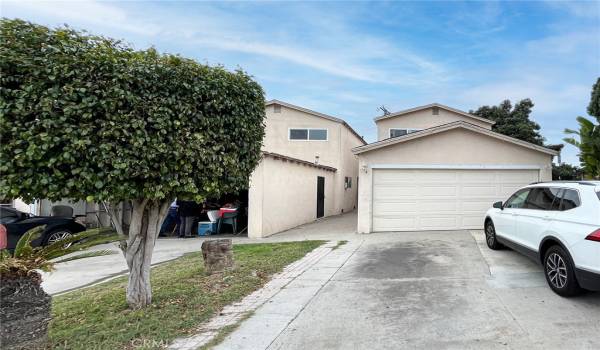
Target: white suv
column 558, row 225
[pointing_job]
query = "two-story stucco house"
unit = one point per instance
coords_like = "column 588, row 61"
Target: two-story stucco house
column 439, row 168
column 307, row 170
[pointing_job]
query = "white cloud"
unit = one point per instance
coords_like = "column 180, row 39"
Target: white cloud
column 82, row 12
column 585, row 9
column 345, row 53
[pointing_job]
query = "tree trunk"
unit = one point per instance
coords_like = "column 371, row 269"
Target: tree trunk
column 24, row 312
column 144, row 229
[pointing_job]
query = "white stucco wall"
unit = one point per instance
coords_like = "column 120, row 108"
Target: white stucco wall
column 457, row 147
column 283, row 195
column 422, row 119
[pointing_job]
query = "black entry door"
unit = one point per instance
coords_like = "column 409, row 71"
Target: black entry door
column 320, row 196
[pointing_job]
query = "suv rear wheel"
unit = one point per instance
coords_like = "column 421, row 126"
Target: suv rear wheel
column 560, row 273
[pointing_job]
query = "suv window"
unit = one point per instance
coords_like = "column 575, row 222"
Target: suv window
column 517, row 200
column 543, row 198
column 570, row 200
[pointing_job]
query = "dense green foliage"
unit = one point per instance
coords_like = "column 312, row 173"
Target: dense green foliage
column 566, row 171
column 588, row 140
column 513, row 122
column 594, row 106
column 185, row 296
column 88, row 117
column 25, row 259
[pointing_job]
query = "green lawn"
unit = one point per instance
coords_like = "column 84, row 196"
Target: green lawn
column 184, row 297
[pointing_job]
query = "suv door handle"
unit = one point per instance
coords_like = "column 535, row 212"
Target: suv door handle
column 547, row 218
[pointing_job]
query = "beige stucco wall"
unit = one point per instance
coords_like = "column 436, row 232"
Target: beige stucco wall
column 455, row 147
column 346, row 199
column 336, row 152
column 283, row 194
column 422, row 119
column 277, row 136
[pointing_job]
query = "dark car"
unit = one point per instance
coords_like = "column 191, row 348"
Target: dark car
column 17, row 223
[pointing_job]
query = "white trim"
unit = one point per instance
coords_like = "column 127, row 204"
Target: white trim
column 458, row 166
column 308, row 134
column 408, row 131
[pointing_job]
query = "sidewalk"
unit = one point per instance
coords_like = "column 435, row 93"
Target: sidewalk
column 275, row 306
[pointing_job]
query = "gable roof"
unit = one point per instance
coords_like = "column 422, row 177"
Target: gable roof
column 446, row 127
column 316, row 114
column 431, row 105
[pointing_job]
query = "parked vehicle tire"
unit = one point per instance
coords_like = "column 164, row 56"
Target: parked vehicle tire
column 57, row 235
column 490, row 236
column 560, row 272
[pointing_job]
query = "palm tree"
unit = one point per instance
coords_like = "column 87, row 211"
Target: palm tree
column 588, row 144
column 24, row 306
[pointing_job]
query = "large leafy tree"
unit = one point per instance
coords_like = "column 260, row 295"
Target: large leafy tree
column 566, row 171
column 85, row 117
column 594, row 106
column 588, row 136
column 513, row 122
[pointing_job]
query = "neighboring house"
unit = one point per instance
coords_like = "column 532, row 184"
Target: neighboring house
column 307, row 171
column 439, row 168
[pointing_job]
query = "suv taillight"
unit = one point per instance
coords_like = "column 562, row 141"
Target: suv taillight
column 594, row 236
column 3, row 238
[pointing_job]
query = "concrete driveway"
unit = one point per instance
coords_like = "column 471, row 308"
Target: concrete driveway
column 424, row 290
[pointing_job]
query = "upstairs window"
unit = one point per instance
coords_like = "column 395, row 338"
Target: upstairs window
column 308, row 134
column 402, row 132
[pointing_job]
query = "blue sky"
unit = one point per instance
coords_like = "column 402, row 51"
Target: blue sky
column 348, row 58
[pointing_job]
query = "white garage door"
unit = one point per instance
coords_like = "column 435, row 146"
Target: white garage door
column 440, row 199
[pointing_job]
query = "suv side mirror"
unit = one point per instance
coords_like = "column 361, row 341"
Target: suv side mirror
column 498, row 205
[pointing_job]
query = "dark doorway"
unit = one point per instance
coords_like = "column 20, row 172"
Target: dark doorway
column 320, row 196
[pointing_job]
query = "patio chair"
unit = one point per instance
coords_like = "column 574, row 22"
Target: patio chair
column 228, row 219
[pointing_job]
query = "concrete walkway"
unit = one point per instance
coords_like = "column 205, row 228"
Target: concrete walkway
column 421, row 290
column 77, row 274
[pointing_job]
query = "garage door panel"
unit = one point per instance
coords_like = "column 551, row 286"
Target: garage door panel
column 506, row 190
column 517, row 177
column 435, row 176
column 478, row 177
column 433, row 207
column 438, row 222
column 479, row 191
column 439, row 191
column 471, row 222
column 475, row 205
column 440, row 199
column 394, row 192
column 395, row 208
column 390, row 177
column 394, row 223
